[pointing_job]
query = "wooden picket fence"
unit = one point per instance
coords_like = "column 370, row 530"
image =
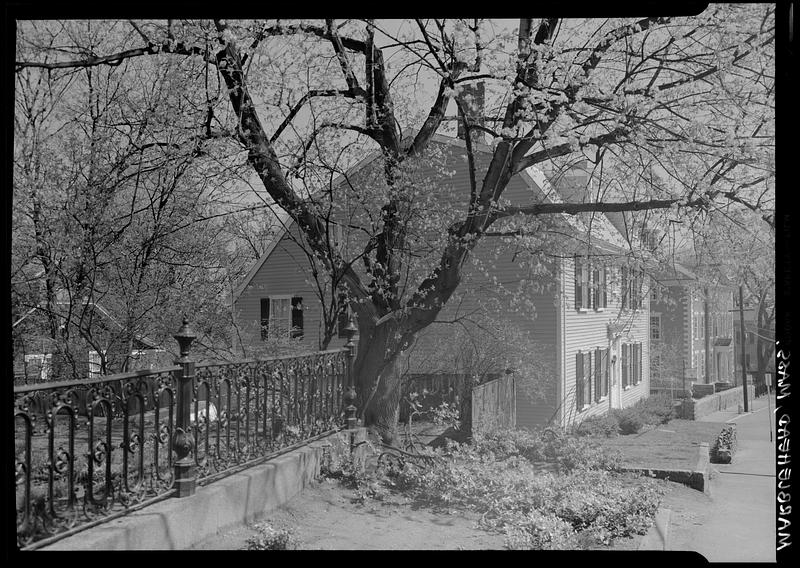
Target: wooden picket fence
column 494, row 404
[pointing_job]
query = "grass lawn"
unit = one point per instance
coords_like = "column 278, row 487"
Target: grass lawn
column 667, row 446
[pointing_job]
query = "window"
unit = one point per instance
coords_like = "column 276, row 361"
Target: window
column 590, row 285
column 631, row 364
column 655, row 326
column 282, row 316
column 631, row 288
column 95, row 365
column 600, row 374
column 39, row 365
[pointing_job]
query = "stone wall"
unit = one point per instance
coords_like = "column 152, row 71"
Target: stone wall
column 694, row 409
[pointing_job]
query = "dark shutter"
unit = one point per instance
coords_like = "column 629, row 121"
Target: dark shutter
column 603, row 296
column 587, row 378
column 264, row 318
column 604, row 370
column 579, row 381
column 297, row 317
column 624, row 365
column 578, row 283
column 598, row 374
column 638, row 363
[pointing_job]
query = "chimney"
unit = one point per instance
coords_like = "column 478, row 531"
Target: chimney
column 472, row 97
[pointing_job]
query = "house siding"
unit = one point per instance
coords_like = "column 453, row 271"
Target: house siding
column 553, row 327
column 587, row 330
column 285, row 272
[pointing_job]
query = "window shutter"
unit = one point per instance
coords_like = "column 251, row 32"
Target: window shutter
column 579, row 380
column 604, row 366
column 624, row 365
column 603, row 286
column 264, row 318
column 587, row 378
column 596, row 288
column 598, row 374
column 639, row 363
column 578, row 283
column 297, row 317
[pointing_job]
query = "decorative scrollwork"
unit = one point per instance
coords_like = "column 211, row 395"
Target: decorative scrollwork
column 62, row 461
column 100, row 452
column 134, row 442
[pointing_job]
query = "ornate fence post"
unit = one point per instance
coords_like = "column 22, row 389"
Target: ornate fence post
column 182, row 440
column 350, row 395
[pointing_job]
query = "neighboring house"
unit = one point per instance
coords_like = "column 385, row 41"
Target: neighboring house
column 691, row 330
column 592, row 323
column 36, row 358
column 751, row 338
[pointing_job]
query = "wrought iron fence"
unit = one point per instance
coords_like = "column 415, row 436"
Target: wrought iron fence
column 87, row 451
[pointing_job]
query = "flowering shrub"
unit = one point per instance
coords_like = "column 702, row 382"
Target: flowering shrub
column 607, row 426
column 584, row 503
column 629, row 419
column 656, row 409
column 269, row 538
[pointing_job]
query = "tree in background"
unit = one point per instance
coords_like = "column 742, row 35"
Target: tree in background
column 675, row 114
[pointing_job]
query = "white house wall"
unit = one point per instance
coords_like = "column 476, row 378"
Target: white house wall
column 586, row 329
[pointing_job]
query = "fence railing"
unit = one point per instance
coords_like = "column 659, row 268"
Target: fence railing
column 87, row 451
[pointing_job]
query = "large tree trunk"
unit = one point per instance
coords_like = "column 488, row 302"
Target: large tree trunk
column 378, row 380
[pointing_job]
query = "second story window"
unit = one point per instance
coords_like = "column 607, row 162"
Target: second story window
column 590, row 285
column 282, row 316
column 655, row 326
column 631, row 288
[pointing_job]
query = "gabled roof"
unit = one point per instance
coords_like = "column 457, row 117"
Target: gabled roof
column 533, row 177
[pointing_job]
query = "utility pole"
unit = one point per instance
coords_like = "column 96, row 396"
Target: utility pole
column 744, row 343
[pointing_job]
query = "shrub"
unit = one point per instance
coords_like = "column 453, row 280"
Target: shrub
column 269, row 538
column 540, row 531
column 599, row 426
column 506, row 442
column 656, row 409
column 629, row 419
column 586, row 502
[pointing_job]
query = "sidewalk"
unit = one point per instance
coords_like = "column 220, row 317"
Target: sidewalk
column 737, row 522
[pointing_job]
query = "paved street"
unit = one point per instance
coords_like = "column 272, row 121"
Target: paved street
column 738, row 523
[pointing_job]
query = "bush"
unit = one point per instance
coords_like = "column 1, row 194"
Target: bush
column 629, row 419
column 599, row 426
column 540, row 531
column 656, row 409
column 586, row 502
column 269, row 538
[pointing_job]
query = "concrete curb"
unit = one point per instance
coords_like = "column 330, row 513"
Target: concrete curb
column 178, row 524
column 696, row 478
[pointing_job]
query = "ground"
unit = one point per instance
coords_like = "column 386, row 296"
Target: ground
column 326, row 516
